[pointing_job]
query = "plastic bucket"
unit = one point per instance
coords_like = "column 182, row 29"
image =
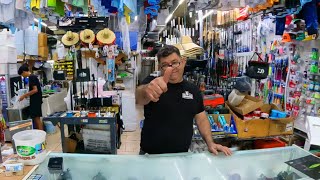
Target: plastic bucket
column 30, row 146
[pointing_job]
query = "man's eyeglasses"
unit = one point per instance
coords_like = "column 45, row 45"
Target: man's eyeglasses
column 173, row 65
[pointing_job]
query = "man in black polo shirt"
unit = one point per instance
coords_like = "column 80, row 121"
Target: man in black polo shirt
column 35, row 95
column 170, row 105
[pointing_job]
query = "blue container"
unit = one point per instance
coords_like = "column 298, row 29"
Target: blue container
column 274, row 113
column 69, row 114
column 282, row 115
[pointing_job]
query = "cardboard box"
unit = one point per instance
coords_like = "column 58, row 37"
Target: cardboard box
column 252, row 128
column 42, row 40
column 281, row 126
column 43, row 52
column 247, row 105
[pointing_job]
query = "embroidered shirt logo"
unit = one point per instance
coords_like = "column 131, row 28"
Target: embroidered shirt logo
column 187, row 95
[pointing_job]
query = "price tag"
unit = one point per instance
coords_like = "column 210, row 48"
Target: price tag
column 103, row 121
column 84, row 120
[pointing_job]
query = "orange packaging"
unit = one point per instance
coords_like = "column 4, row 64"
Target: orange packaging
column 268, row 143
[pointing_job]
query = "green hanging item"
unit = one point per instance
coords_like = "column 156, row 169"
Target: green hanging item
column 78, row 3
column 52, row 3
column 59, row 7
column 85, row 7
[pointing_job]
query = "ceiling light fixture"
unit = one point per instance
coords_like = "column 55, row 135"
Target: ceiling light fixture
column 180, row 2
column 168, row 18
column 170, row 15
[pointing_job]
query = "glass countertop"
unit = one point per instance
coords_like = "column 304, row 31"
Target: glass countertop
column 245, row 165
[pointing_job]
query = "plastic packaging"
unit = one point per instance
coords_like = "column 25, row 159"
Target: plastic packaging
column 30, row 146
column 235, row 97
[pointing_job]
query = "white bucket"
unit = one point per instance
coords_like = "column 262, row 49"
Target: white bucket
column 30, row 146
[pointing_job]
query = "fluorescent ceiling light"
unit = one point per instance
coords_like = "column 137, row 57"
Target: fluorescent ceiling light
column 42, row 23
column 168, row 18
column 180, row 2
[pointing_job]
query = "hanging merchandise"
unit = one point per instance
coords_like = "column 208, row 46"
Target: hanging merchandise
column 106, row 37
column 7, row 9
column 309, row 11
column 303, row 95
column 188, row 48
column 125, row 36
column 257, row 69
column 70, row 39
column 152, row 11
column 194, row 5
column 78, row 3
column 52, row 3
column 43, row 50
column 111, row 70
column 27, row 41
column 280, row 25
column 87, row 38
column 243, row 13
column 231, row 4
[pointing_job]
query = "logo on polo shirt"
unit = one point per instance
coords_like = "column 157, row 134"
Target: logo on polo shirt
column 187, row 95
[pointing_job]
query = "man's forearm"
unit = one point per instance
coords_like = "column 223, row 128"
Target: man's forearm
column 205, row 130
column 30, row 93
column 140, row 96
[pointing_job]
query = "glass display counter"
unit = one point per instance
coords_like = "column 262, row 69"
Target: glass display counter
column 245, row 165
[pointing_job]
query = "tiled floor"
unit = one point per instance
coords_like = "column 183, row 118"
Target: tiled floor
column 130, row 140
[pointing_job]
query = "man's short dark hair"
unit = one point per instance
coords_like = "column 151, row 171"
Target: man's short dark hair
column 23, row 68
column 167, row 51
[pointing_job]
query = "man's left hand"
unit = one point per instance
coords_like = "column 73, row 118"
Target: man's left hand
column 215, row 148
column 22, row 98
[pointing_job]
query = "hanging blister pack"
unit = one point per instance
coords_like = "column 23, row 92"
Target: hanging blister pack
column 111, row 70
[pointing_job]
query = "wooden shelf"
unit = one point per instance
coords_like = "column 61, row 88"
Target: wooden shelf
column 32, row 58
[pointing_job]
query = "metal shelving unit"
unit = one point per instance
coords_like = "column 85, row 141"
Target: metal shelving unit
column 85, row 121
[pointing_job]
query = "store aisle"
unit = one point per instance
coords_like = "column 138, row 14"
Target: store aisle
column 131, row 140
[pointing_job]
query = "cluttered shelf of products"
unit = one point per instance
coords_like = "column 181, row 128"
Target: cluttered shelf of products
column 99, row 133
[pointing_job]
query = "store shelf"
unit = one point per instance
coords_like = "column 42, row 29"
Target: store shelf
column 32, row 58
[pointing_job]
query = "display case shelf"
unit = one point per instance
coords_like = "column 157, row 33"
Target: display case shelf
column 252, row 164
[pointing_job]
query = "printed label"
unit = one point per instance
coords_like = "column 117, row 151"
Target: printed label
column 25, row 151
column 289, row 127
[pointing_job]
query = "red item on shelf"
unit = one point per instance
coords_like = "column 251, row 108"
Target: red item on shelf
column 213, row 100
column 268, row 143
